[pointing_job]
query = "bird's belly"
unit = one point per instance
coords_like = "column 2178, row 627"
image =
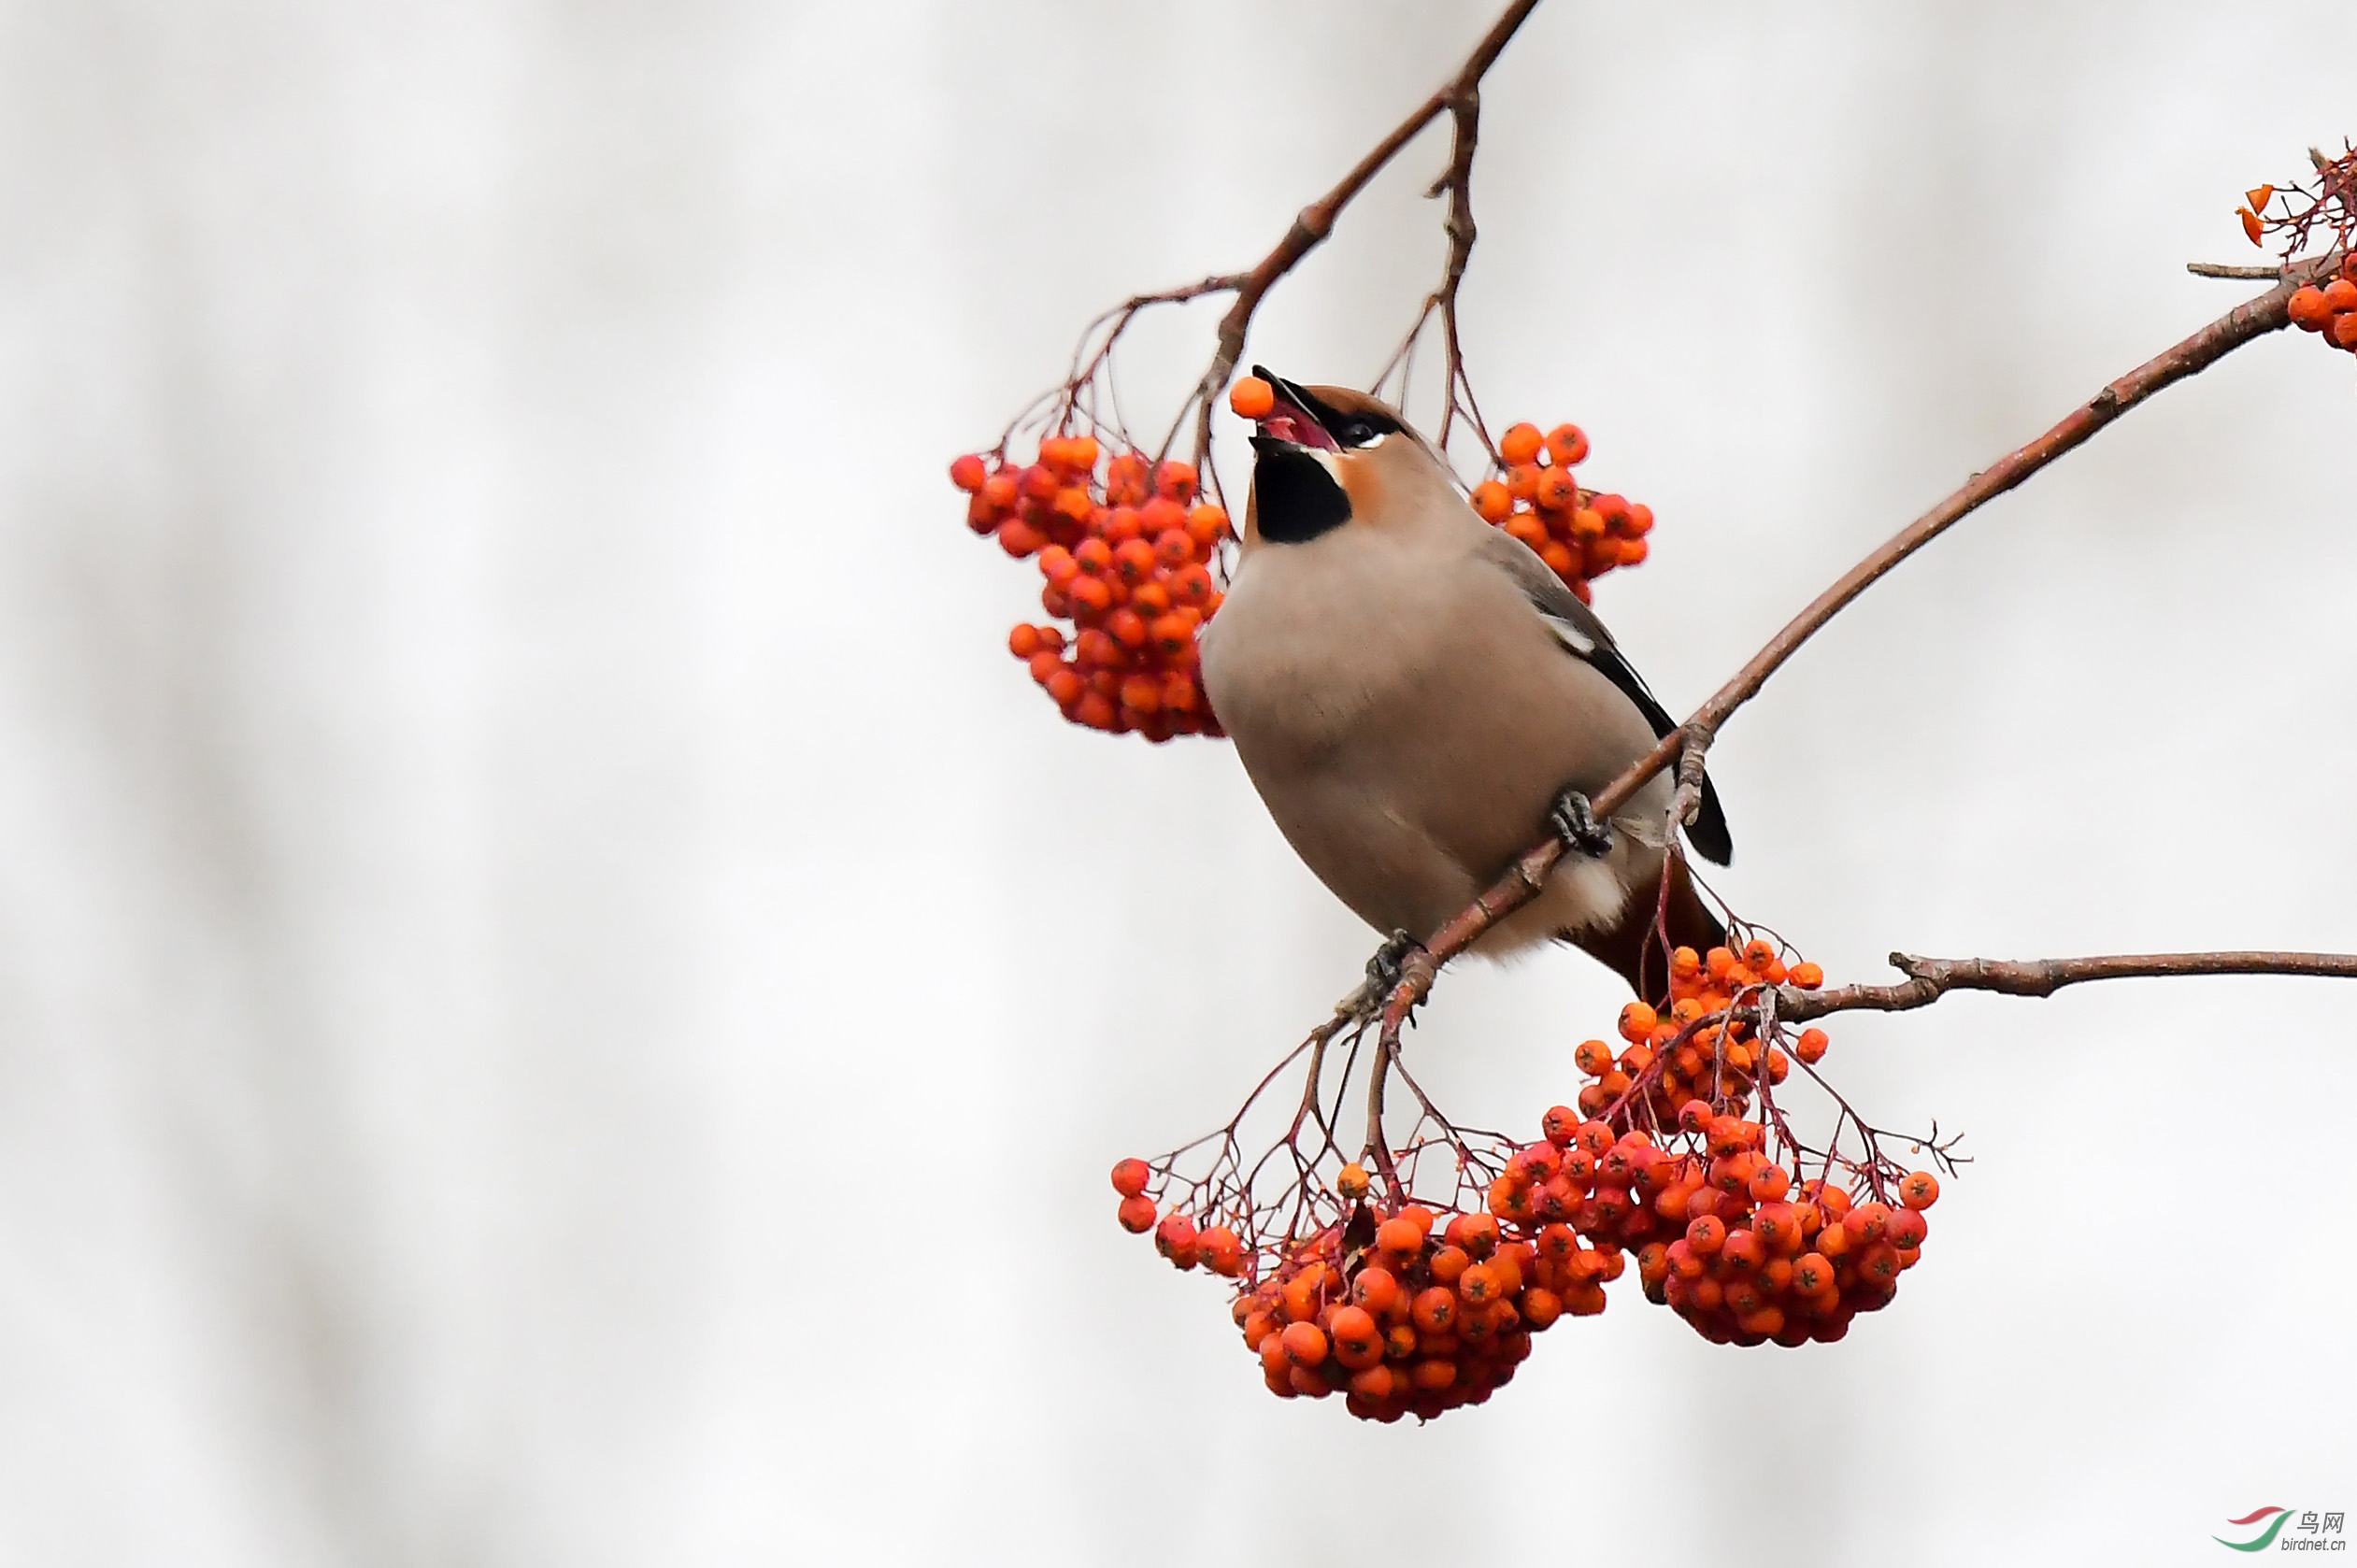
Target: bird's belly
column 1410, row 756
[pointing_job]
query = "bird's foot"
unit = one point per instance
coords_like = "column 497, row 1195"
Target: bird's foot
column 1389, row 962
column 1575, row 822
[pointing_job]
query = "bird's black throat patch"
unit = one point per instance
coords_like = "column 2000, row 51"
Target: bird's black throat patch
column 1294, row 498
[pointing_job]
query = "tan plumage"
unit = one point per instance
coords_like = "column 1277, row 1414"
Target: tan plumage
column 1404, row 689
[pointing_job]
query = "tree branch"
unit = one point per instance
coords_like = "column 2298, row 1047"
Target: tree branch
column 1928, row 979
column 2252, row 318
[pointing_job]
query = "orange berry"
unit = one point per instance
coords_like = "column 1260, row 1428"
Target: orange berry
column 1136, row 1214
column 1377, row 1382
column 2341, row 295
column 1568, row 446
column 1477, row 1285
column 1126, row 479
column 1522, row 480
column 1638, row 1020
column 1175, row 480
column 1130, row 1177
column 1309, row 1381
column 1251, row 398
column 1305, row 1343
column 1207, row 526
column 1432, row 1374
column 1358, row 1343
column 2345, row 328
column 1907, row 1229
column 1173, row 549
column 1222, row 1252
column 1559, row 560
column 1806, row 977
column 969, row 472
column 1160, row 514
column 1521, row 445
column 1918, row 1190
column 1556, row 491
column 1867, row 1221
column 1490, row 499
column 1450, row 1264
column 1593, row 1058
column 1141, row 693
column 1435, row 1310
column 1126, row 627
column 1706, row 1235
column 1175, row 1239
column 1399, row 1235
column 1541, row 1306
column 1528, row 529
column 1376, row 1290
column 1812, row 1045
column 2307, row 307
column 1172, row 635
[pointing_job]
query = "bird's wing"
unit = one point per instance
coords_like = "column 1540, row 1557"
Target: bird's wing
column 1577, row 628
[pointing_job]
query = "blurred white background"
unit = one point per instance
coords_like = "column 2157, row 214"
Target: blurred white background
column 562, row 1002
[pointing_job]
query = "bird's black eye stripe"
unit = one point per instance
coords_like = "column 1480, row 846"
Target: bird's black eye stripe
column 1357, row 430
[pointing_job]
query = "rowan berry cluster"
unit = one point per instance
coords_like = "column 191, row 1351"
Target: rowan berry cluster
column 1415, row 1314
column 2330, row 311
column 1126, row 547
column 1409, row 1307
column 1734, row 1239
column 1735, row 1242
column 1580, row 533
column 2303, row 217
column 1672, row 1056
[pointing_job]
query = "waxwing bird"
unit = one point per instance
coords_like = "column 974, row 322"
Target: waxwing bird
column 1413, row 692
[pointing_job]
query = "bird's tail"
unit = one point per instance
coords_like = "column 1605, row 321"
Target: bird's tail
column 1634, row 947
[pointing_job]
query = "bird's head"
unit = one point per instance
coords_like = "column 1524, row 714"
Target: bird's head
column 1328, row 455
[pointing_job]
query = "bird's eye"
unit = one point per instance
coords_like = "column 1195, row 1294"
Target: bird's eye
column 1360, row 433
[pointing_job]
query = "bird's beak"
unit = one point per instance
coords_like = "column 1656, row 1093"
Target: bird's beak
column 1298, row 420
